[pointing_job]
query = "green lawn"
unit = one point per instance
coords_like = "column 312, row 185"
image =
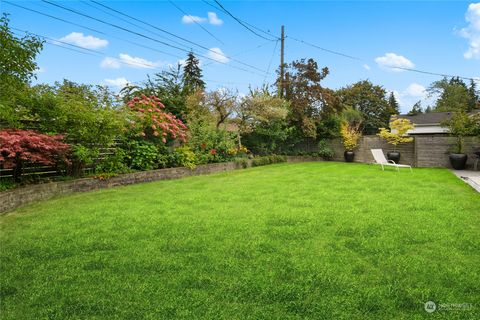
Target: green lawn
column 288, row 241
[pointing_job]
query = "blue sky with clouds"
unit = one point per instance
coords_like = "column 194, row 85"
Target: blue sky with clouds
column 436, row 36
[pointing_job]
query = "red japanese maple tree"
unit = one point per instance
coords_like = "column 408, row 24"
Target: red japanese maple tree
column 19, row 146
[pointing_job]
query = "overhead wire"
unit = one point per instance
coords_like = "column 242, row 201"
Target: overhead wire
column 268, row 33
column 133, row 32
column 196, row 22
column 95, row 53
column 92, row 29
column 271, row 59
column 179, row 37
column 241, row 22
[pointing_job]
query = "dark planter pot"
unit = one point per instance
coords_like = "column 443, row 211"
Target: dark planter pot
column 394, row 156
column 349, row 155
column 458, row 160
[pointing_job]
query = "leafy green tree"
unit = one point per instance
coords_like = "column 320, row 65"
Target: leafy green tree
column 261, row 118
column 17, row 68
column 88, row 116
column 308, row 99
column 461, row 125
column 416, row 109
column 192, row 74
column 453, row 95
column 222, row 104
column 371, row 101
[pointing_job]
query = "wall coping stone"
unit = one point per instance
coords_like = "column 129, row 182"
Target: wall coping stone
column 15, row 198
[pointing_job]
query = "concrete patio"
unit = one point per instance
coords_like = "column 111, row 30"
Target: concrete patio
column 470, row 177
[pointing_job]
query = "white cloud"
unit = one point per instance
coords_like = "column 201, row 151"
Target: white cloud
column 187, row 19
column 416, row 90
column 129, row 61
column 41, row 70
column 119, row 83
column 217, row 55
column 472, row 31
column 213, row 19
column 413, row 93
column 110, row 63
column 366, row 66
column 81, row 40
column 138, row 62
column 392, row 61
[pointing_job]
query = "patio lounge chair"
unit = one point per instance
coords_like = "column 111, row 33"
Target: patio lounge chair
column 381, row 160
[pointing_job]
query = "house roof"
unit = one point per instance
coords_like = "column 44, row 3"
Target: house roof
column 430, row 117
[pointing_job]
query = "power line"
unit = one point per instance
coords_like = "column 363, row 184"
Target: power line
column 179, row 37
column 121, row 39
column 155, row 40
column 244, row 51
column 131, row 23
column 92, row 29
column 89, row 51
column 95, row 53
column 268, row 33
column 241, row 22
column 271, row 59
column 326, row 50
column 433, row 73
column 196, row 22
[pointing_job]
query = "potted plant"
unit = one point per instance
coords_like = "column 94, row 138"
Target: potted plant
column 396, row 135
column 350, row 133
column 459, row 125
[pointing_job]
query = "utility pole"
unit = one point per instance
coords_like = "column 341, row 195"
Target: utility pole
column 282, row 67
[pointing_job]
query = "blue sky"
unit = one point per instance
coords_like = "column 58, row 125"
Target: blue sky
column 436, row 36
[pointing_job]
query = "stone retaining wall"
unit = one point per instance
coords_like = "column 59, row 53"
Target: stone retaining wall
column 11, row 199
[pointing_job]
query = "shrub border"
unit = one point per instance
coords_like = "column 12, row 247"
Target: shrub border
column 15, row 198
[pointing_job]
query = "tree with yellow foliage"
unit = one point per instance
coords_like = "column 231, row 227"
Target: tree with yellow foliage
column 397, row 133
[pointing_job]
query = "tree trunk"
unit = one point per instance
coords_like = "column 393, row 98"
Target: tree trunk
column 17, row 170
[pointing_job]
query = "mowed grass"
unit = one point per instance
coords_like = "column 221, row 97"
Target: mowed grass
column 289, row 241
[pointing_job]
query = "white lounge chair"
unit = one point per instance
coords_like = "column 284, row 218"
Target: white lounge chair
column 381, row 160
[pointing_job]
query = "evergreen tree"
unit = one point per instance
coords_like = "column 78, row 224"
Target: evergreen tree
column 453, row 95
column 393, row 107
column 416, row 109
column 192, row 74
column 474, row 97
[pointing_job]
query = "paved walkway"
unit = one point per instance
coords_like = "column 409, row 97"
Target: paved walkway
column 470, row 177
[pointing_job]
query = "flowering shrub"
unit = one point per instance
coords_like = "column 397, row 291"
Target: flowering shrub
column 211, row 145
column 18, row 146
column 154, row 122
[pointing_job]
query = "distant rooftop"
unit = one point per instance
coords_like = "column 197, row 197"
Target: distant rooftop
column 430, row 117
